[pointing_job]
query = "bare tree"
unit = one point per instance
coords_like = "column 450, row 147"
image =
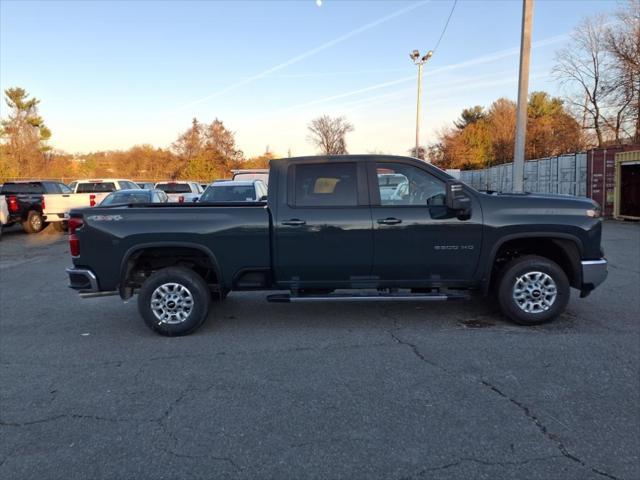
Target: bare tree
column 580, row 66
column 623, row 44
column 328, row 134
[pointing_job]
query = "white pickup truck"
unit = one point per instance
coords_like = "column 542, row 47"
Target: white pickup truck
column 4, row 213
column 184, row 191
column 82, row 193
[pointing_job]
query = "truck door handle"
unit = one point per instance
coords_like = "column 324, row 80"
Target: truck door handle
column 294, row 222
column 389, row 221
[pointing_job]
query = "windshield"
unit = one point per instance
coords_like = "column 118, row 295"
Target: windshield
column 24, row 188
column 174, row 187
column 124, row 198
column 229, row 193
column 96, row 187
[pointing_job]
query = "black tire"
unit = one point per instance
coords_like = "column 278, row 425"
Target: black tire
column 538, row 298
column 34, row 222
column 196, row 314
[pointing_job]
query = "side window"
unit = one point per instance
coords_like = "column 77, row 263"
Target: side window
column 72, row 186
column 64, row 188
column 51, row 187
column 406, row 185
column 325, row 185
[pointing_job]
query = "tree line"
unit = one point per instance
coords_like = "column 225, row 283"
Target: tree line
column 599, row 71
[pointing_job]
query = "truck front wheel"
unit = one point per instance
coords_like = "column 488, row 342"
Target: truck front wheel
column 533, row 290
column 174, row 301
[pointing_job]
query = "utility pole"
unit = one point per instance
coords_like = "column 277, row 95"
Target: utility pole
column 415, row 56
column 523, row 90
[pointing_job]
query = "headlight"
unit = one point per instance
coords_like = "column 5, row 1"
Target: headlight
column 593, row 212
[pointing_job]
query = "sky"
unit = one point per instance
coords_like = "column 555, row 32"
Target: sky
column 111, row 75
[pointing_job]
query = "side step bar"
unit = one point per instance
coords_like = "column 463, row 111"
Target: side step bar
column 366, row 297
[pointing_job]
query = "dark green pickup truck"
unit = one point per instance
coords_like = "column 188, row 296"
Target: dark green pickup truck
column 344, row 228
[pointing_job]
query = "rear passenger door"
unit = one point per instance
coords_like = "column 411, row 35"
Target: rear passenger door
column 322, row 225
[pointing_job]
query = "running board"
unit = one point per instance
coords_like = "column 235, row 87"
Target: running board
column 354, row 297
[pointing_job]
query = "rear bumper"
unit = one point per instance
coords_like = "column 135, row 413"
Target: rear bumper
column 594, row 272
column 82, row 279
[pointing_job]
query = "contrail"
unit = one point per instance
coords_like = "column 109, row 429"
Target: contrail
column 492, row 57
column 307, row 54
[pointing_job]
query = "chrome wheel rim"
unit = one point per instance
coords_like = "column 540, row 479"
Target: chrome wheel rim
column 534, row 292
column 36, row 222
column 171, row 303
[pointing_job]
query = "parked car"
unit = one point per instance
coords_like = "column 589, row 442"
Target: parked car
column 131, row 197
column 181, row 191
column 235, row 191
column 252, row 174
column 81, row 193
column 4, row 212
column 26, row 201
column 146, row 185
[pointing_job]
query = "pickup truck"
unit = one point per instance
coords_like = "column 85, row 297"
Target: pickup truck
column 181, row 191
column 327, row 234
column 27, row 201
column 81, row 193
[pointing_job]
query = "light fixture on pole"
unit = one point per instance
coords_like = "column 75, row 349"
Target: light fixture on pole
column 419, row 61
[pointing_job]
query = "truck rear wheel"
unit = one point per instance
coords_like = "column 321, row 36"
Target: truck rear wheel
column 34, row 222
column 174, row 301
column 533, row 290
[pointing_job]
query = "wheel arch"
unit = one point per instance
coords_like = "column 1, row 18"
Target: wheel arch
column 128, row 261
column 562, row 248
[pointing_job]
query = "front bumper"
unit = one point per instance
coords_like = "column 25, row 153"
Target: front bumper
column 594, row 272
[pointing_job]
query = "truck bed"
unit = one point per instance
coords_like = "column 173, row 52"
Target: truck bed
column 241, row 231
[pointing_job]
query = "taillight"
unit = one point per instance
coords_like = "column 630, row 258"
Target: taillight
column 92, row 200
column 75, row 223
column 180, row 199
column 13, row 204
column 74, row 245
column 43, row 204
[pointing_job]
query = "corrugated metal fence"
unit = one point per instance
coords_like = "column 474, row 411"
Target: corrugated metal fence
column 566, row 174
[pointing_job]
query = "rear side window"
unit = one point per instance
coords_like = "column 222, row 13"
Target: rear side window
column 96, row 187
column 22, row 188
column 174, row 187
column 229, row 193
column 326, row 184
column 130, row 185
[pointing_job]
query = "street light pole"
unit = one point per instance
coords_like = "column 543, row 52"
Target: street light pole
column 523, row 90
column 415, row 56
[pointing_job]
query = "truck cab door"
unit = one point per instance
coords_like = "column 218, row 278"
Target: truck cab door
column 322, row 225
column 417, row 239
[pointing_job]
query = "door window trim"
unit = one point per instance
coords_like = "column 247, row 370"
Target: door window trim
column 374, row 188
column 362, row 194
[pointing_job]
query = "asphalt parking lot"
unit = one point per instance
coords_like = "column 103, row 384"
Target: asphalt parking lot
column 406, row 391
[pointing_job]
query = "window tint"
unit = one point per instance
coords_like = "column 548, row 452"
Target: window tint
column 22, row 188
column 327, row 184
column 404, row 185
column 96, row 187
column 126, row 197
column 229, row 193
column 51, row 187
column 174, row 187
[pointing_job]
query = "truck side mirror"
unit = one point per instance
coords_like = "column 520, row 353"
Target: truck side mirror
column 457, row 200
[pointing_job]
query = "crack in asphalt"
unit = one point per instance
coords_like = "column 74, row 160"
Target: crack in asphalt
column 61, row 416
column 462, row 460
column 521, row 406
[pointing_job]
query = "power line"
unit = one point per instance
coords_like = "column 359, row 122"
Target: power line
column 455, row 2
